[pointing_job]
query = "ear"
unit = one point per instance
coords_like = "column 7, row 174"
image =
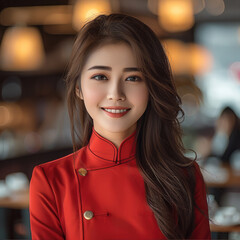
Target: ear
column 79, row 93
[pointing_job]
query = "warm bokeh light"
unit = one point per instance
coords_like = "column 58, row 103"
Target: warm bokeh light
column 175, row 15
column 21, row 49
column 4, row 116
column 177, row 55
column 57, row 18
column 187, row 58
column 17, row 113
column 201, row 60
column 36, row 15
column 11, row 115
column 85, row 10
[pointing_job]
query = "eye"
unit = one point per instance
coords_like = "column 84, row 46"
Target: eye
column 99, row 77
column 134, row 79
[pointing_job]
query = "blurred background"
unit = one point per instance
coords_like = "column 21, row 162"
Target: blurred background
column 202, row 41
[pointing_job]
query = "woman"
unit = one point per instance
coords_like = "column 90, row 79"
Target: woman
column 128, row 177
column 228, row 132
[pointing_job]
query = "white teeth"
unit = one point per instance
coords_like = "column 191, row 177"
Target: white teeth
column 115, row 110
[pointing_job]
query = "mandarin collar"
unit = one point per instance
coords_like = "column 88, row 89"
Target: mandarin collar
column 105, row 150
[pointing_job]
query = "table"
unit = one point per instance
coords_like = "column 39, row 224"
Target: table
column 232, row 181
column 217, row 228
column 17, row 200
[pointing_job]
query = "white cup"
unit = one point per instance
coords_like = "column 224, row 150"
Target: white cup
column 17, row 181
column 4, row 191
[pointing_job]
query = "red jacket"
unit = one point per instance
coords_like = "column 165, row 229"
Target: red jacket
column 99, row 195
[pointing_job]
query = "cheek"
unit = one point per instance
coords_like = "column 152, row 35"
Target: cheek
column 92, row 95
column 139, row 97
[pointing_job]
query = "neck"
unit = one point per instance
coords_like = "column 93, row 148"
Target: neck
column 116, row 137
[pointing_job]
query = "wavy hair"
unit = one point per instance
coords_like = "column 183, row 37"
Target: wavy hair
column 168, row 175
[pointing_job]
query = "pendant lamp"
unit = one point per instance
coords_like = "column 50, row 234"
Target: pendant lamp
column 86, row 10
column 175, row 15
column 21, row 49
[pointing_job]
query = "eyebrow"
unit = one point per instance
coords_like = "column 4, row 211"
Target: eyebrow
column 130, row 69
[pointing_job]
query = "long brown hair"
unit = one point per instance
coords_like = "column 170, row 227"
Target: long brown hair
column 168, row 175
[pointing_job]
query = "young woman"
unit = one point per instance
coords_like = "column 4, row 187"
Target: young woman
column 228, row 129
column 128, row 177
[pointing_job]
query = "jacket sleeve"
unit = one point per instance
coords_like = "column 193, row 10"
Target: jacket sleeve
column 202, row 229
column 44, row 219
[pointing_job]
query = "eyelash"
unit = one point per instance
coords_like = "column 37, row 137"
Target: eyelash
column 138, row 78
column 94, row 77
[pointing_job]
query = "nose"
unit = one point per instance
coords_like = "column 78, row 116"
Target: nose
column 116, row 91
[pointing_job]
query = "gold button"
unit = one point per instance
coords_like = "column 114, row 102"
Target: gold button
column 82, row 171
column 88, row 215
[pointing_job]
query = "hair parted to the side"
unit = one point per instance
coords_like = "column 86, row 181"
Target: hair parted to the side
column 168, row 175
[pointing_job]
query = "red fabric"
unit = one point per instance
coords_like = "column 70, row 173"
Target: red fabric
column 113, row 190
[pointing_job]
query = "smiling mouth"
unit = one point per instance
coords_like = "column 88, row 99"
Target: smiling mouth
column 116, row 110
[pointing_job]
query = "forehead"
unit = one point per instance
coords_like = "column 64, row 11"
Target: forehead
column 114, row 54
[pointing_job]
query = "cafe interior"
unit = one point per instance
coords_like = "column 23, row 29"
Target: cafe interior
column 202, row 41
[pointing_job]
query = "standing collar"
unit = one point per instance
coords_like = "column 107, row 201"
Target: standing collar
column 104, row 149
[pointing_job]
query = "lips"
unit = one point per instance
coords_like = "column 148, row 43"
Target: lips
column 116, row 112
column 116, row 107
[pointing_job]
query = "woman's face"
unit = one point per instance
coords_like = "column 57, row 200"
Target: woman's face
column 113, row 90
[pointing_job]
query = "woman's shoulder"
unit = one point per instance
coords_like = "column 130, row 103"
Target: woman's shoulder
column 57, row 162
column 197, row 169
column 194, row 175
column 200, row 186
column 60, row 165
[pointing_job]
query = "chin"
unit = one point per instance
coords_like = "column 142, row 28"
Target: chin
column 120, row 129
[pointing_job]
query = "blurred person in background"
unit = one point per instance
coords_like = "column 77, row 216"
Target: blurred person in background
column 219, row 144
column 225, row 149
column 227, row 135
